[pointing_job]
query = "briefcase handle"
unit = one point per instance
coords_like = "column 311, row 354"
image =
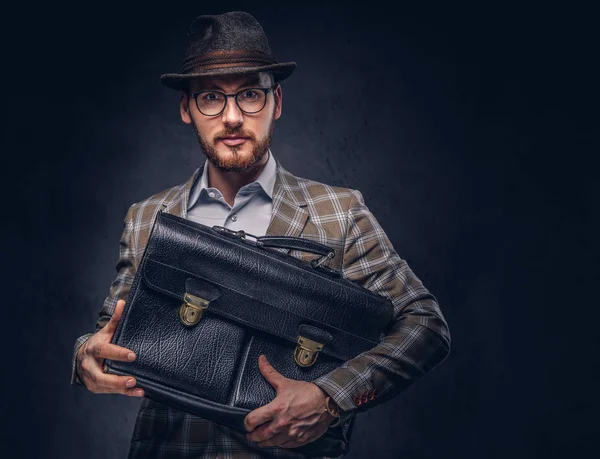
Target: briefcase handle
column 285, row 242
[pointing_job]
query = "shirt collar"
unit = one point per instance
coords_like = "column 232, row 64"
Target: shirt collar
column 266, row 180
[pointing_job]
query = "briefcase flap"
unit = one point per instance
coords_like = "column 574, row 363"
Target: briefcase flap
column 262, row 288
column 268, row 315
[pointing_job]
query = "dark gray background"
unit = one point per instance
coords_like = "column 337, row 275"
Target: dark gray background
column 468, row 130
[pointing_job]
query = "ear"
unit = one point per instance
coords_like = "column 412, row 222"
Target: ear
column 278, row 101
column 184, row 108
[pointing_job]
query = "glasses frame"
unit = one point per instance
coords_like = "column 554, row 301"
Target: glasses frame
column 235, row 96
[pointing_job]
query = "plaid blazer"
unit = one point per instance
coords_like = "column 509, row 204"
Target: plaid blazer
column 418, row 340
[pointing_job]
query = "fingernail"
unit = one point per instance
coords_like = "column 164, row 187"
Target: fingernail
column 130, row 383
column 131, row 356
column 262, row 358
column 138, row 392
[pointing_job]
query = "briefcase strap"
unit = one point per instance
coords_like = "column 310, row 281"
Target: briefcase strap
column 285, row 242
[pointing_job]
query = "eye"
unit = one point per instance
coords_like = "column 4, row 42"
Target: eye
column 210, row 97
column 249, row 94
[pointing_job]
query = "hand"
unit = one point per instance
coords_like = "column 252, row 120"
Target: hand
column 90, row 360
column 296, row 415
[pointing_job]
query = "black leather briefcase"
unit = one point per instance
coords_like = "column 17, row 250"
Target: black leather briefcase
column 207, row 301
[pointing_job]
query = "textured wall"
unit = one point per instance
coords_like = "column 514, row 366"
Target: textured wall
column 464, row 129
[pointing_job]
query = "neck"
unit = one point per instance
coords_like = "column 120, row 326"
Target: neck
column 230, row 182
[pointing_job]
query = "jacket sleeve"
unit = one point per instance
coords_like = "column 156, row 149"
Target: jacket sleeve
column 119, row 289
column 418, row 338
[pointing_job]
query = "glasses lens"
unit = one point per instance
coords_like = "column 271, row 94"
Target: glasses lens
column 210, row 103
column 251, row 100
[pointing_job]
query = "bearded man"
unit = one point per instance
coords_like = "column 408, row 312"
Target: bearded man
column 231, row 96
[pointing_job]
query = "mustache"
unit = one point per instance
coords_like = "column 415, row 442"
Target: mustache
column 234, row 131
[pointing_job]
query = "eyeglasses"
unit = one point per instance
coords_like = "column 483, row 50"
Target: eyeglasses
column 250, row 100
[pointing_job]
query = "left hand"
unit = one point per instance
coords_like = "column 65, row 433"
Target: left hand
column 296, row 415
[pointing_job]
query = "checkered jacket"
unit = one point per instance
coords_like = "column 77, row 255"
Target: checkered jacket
column 417, row 341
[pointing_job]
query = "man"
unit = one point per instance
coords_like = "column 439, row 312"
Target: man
column 231, row 97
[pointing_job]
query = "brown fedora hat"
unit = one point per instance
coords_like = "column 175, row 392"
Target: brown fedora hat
column 229, row 43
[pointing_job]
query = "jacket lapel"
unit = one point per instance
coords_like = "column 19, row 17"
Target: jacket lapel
column 289, row 216
column 178, row 204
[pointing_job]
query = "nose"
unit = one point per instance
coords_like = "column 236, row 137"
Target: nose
column 232, row 115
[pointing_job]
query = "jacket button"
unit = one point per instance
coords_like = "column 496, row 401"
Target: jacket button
column 357, row 401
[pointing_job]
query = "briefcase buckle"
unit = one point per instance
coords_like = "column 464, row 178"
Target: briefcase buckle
column 191, row 309
column 307, row 351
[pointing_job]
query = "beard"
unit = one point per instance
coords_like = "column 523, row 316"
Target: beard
column 236, row 163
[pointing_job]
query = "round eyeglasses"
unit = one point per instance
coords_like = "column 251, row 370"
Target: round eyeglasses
column 249, row 100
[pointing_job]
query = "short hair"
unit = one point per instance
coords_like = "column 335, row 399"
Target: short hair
column 271, row 77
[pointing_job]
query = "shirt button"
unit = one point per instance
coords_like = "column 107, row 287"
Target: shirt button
column 234, row 218
column 211, row 194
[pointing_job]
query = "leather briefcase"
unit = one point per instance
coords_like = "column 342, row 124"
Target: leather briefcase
column 207, row 301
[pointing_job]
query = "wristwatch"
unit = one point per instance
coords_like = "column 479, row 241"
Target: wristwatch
column 332, row 407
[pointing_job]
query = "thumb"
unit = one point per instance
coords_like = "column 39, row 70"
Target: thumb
column 274, row 378
column 116, row 316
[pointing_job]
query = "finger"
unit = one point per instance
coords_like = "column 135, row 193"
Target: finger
column 261, row 415
column 275, row 378
column 116, row 316
column 263, row 432
column 275, row 440
column 112, row 351
column 113, row 383
column 303, row 438
column 135, row 392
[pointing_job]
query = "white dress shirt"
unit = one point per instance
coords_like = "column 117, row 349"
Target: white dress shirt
column 252, row 206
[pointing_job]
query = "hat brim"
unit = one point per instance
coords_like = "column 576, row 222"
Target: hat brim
column 179, row 81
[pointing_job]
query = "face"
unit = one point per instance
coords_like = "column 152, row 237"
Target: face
column 233, row 140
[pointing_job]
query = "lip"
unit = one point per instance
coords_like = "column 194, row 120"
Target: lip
column 233, row 140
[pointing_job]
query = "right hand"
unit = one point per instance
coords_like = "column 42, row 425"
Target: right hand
column 90, row 360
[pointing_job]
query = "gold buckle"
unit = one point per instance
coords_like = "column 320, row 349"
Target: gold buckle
column 307, row 351
column 191, row 309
